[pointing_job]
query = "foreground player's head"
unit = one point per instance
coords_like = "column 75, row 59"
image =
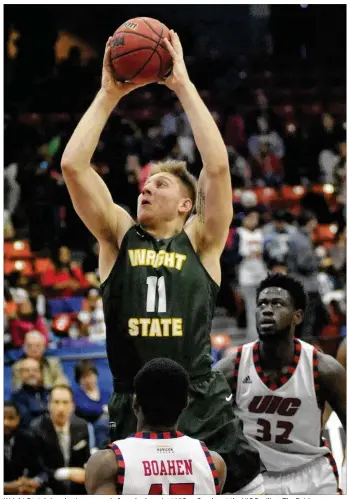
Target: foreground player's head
column 168, row 194
column 160, row 394
column 281, row 303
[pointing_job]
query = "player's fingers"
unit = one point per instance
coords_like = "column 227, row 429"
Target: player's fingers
column 170, row 48
column 176, row 43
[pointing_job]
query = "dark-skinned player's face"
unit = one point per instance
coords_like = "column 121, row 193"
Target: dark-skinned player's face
column 276, row 315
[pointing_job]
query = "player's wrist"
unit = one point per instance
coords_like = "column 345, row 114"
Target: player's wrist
column 107, row 98
column 184, row 88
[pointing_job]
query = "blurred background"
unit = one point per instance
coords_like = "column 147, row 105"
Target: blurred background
column 274, row 77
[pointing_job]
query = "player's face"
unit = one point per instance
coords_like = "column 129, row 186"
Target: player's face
column 162, row 199
column 275, row 314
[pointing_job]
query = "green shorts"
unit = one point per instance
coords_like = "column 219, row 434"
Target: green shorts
column 209, row 417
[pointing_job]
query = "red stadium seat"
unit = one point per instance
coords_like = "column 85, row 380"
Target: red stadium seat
column 22, row 266
column 325, row 233
column 42, row 265
column 17, row 250
column 266, row 195
column 291, row 197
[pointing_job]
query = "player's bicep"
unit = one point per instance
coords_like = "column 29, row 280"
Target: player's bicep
column 93, row 203
column 101, row 472
column 221, row 468
column 332, row 377
column 214, row 207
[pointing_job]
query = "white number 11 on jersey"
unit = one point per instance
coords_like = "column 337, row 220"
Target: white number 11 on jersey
column 153, row 283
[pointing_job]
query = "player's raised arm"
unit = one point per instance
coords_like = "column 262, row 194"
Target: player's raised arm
column 332, row 381
column 90, row 196
column 214, row 198
column 101, row 473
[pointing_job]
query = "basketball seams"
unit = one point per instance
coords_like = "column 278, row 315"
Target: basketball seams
column 151, row 28
column 143, row 36
column 131, row 52
column 149, row 59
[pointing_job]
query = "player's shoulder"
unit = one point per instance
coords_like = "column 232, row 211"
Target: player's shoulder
column 104, row 458
column 328, row 366
column 227, row 364
column 220, row 467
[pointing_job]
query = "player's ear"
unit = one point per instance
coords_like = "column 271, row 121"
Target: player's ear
column 298, row 317
column 186, row 205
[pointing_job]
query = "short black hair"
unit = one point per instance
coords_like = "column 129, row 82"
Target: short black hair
column 13, row 405
column 162, row 388
column 305, row 217
column 62, row 387
column 82, row 368
column 287, row 282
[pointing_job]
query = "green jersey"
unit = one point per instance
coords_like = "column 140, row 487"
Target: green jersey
column 158, row 301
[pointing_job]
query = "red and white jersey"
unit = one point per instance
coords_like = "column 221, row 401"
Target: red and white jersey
column 282, row 420
column 164, row 463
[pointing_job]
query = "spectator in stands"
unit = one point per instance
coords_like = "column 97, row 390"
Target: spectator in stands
column 62, row 442
column 36, row 297
column 338, row 254
column 303, row 263
column 27, row 319
column 90, row 265
column 51, row 369
column 276, row 235
column 22, row 470
column 67, row 278
column 31, row 399
column 91, row 318
column 264, row 135
column 268, row 169
column 248, row 242
column 19, row 287
column 340, row 173
column 91, row 400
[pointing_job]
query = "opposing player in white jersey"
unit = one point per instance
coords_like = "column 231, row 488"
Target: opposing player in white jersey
column 280, row 385
column 157, row 459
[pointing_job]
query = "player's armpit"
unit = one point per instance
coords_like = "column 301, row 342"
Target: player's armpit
column 220, row 466
column 332, row 382
column 101, row 473
column 214, row 208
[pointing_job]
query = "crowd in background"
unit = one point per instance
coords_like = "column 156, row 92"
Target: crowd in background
column 282, row 131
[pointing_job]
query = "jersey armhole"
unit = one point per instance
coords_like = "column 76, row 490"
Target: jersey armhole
column 212, row 467
column 236, row 370
column 120, row 467
column 319, row 396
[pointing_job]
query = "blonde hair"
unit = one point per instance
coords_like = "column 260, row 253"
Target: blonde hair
column 179, row 170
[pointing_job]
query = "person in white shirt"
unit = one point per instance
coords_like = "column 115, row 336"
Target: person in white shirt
column 280, row 385
column 157, row 459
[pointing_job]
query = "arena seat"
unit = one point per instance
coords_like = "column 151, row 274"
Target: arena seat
column 17, row 250
column 65, row 305
column 22, row 266
column 266, row 195
column 291, row 197
column 42, row 265
column 325, row 233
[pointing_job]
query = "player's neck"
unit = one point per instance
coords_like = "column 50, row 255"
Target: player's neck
column 277, row 354
column 165, row 230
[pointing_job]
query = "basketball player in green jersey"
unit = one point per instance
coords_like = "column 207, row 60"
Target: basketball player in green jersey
column 160, row 277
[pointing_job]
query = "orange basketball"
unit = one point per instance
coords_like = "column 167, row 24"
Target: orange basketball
column 138, row 53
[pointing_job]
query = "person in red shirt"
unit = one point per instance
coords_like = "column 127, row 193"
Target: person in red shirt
column 66, row 279
column 26, row 319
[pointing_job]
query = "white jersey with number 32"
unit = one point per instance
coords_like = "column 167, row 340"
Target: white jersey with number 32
column 164, row 463
column 282, row 420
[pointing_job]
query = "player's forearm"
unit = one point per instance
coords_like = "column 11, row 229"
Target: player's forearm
column 84, row 140
column 206, row 133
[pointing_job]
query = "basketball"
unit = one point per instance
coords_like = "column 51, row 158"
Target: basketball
column 138, row 53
